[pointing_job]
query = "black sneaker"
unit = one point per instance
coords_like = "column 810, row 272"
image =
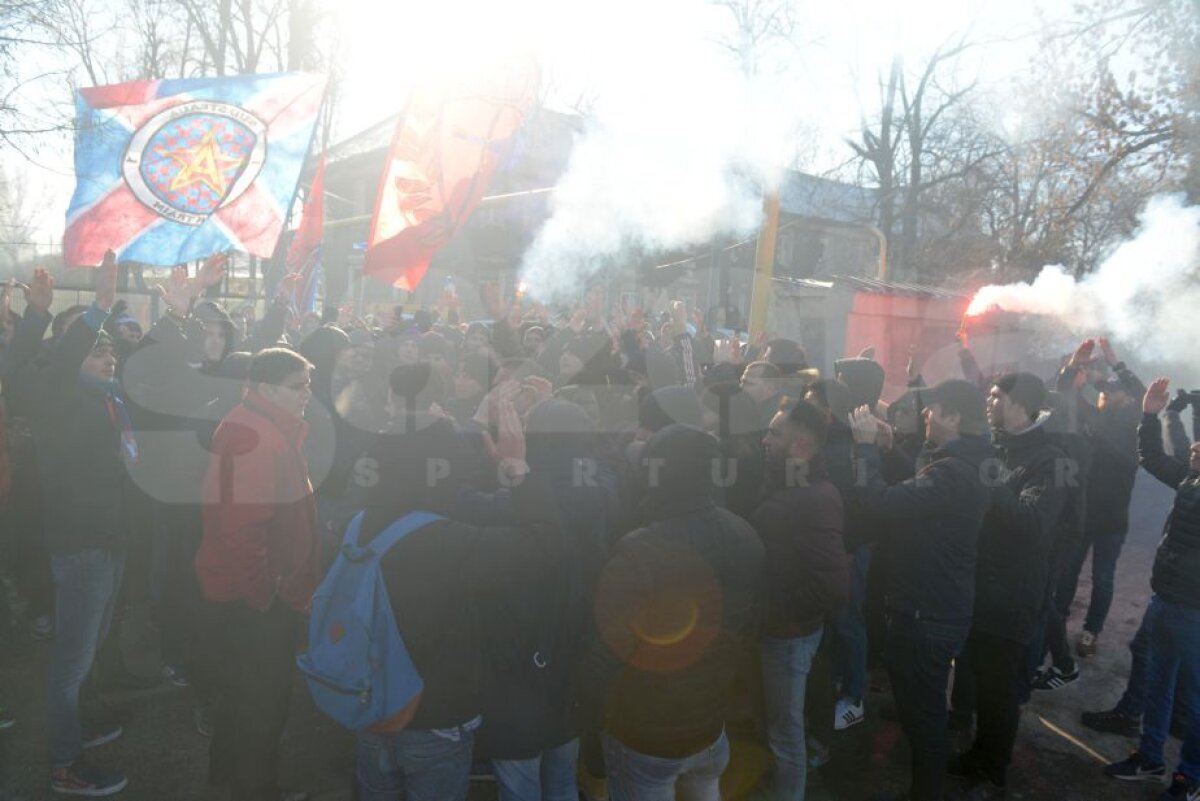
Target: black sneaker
column 1113, row 722
column 83, row 778
column 101, row 735
column 1054, row 679
column 1136, row 769
column 7, row 721
column 176, row 675
column 1181, row 789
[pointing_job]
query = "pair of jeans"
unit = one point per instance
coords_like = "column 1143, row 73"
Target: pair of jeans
column 414, row 765
column 1133, row 701
column 256, row 652
column 86, row 586
column 1173, row 655
column 785, row 667
column 918, row 654
column 551, row 776
column 1106, row 549
column 996, row 665
column 634, row 776
column 852, row 629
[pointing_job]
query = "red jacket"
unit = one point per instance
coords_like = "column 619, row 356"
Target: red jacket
column 259, row 513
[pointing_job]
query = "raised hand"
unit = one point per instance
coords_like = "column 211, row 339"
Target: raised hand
column 210, row 273
column 177, row 292
column 910, row 368
column 867, row 353
column 1110, row 356
column 864, row 425
column 40, row 292
column 1083, row 354
column 1156, row 396
column 508, row 447
column 106, row 281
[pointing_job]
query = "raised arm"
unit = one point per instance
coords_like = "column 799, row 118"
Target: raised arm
column 1150, row 447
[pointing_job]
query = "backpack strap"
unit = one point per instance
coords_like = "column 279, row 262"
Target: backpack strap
column 383, row 541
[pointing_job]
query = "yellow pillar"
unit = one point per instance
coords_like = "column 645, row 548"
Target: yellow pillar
column 764, row 265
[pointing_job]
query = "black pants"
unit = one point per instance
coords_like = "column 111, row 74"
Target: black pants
column 257, row 652
column 995, row 664
column 918, row 655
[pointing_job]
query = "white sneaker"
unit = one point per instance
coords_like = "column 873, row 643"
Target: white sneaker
column 848, row 713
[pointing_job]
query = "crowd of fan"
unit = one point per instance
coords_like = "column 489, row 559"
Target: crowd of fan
column 649, row 539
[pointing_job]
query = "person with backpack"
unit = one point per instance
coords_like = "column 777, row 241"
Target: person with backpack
column 257, row 568
column 439, row 574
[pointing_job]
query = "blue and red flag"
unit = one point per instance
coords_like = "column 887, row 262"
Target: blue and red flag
column 304, row 252
column 445, row 149
column 172, row 171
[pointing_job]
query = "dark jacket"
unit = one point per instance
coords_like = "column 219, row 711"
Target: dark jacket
column 536, row 632
column 1176, row 574
column 1113, row 437
column 675, row 607
column 1018, row 534
column 78, row 433
column 440, row 579
column 837, row 456
column 807, row 571
column 933, row 527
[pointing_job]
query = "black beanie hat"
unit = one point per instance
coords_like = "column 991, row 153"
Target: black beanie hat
column 1026, row 390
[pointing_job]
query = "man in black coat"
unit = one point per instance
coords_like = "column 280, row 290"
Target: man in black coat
column 1028, row 498
column 1173, row 618
column 1110, row 427
column 930, row 555
column 675, row 607
column 439, row 580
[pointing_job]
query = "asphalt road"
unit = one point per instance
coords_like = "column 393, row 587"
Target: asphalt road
column 1057, row 759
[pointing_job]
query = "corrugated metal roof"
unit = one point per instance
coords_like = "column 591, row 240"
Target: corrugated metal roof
column 861, row 284
column 824, row 199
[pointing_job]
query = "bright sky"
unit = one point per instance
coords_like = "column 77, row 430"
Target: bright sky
column 638, row 57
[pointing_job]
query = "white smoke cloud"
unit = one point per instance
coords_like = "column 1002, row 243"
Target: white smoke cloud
column 678, row 150
column 1146, row 295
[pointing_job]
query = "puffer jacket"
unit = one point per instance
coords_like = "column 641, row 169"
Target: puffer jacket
column 1176, row 574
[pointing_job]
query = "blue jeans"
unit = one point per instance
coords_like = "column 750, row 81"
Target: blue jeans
column 1106, row 549
column 1133, row 701
column 785, row 667
column 852, row 630
column 414, row 765
column 918, row 654
column 633, row 776
column 1174, row 653
column 86, row 585
column 549, row 777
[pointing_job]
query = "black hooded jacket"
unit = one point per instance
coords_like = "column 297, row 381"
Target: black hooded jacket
column 932, row 536
column 536, row 632
column 441, row 577
column 675, row 605
column 1015, row 547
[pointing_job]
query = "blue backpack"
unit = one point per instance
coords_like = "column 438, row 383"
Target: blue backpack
column 357, row 667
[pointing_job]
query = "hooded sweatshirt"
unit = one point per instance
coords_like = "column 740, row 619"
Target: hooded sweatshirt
column 675, row 605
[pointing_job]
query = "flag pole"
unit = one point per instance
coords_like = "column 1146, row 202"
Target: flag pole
column 764, row 265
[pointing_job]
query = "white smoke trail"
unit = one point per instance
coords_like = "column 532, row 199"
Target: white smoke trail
column 679, row 150
column 1145, row 295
